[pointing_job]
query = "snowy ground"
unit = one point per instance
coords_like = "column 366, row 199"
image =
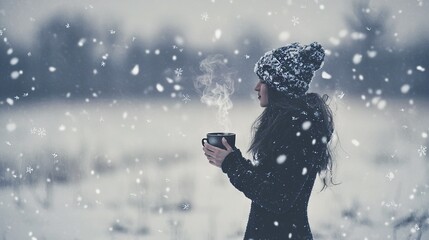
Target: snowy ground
column 135, row 170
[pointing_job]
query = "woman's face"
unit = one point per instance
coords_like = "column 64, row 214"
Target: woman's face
column 262, row 90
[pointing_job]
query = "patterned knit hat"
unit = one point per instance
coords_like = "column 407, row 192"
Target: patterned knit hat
column 289, row 69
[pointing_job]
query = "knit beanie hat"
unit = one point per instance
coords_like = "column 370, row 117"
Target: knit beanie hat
column 289, row 69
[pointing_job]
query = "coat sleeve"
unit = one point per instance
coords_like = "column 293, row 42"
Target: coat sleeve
column 278, row 189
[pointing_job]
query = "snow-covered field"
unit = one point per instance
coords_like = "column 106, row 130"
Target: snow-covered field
column 131, row 169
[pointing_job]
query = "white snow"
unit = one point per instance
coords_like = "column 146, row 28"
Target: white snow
column 11, row 127
column 14, row 61
column 306, row 125
column 420, row 68
column 372, row 53
column 326, row 75
column 284, row 36
column 281, row 159
column 218, row 33
column 14, row 75
column 62, row 128
column 405, row 88
column 355, row 142
column 357, row 58
column 382, row 104
column 135, row 70
column 159, row 87
column 304, row 171
column 9, row 101
column 81, row 42
column 52, row 69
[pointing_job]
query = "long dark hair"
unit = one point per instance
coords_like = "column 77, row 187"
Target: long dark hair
column 279, row 107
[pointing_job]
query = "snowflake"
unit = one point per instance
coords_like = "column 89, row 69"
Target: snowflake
column 295, row 21
column 112, row 31
column 178, row 72
column 420, row 2
column 68, row 25
column 422, row 151
column 54, row 155
column 39, row 131
column 103, row 63
column 16, row 97
column 341, row 95
column 390, row 176
column 186, row 98
column 186, row 206
column 415, row 229
column 247, row 56
column 29, row 169
column 205, row 16
column 1, row 32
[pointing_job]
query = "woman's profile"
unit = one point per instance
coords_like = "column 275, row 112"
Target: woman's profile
column 290, row 145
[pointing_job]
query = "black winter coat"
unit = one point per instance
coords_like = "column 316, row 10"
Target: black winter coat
column 281, row 184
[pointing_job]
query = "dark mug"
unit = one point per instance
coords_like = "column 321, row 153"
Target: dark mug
column 215, row 139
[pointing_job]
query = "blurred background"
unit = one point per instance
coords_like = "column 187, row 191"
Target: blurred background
column 102, row 115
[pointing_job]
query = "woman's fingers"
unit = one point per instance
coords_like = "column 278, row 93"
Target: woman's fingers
column 210, row 147
column 216, row 155
column 226, row 144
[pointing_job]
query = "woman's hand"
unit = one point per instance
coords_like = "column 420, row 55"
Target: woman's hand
column 216, row 155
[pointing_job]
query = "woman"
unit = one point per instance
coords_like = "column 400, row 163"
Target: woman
column 289, row 145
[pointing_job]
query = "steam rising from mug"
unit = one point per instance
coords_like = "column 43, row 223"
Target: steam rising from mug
column 216, row 85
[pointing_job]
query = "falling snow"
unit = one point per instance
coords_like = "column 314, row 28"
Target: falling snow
column 9, row 101
column 281, row 159
column 372, row 54
column 306, row 125
column 422, row 150
column 186, row 98
column 405, row 88
column 29, row 169
column 38, row 131
column 304, row 171
column 295, row 21
column 135, row 70
column 218, row 34
column 326, row 75
column 81, row 42
column 178, row 72
column 11, row 127
column 373, row 89
column 357, row 58
column 390, row 176
column 420, row 68
column 159, row 87
column 205, row 16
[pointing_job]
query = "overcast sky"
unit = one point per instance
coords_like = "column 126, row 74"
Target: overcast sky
column 315, row 20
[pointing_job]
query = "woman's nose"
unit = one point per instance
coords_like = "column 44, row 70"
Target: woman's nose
column 257, row 87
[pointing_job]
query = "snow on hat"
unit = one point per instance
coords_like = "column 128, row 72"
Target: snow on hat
column 289, row 69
